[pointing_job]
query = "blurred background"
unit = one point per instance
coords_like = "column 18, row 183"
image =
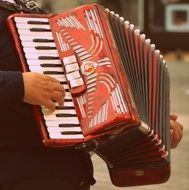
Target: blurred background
column 166, row 23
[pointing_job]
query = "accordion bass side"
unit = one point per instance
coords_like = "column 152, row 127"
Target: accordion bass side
column 117, row 89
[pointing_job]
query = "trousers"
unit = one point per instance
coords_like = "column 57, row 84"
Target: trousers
column 40, row 184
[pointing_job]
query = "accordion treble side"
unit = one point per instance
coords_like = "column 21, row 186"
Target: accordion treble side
column 117, row 89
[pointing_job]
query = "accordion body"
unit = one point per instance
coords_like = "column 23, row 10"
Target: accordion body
column 117, row 89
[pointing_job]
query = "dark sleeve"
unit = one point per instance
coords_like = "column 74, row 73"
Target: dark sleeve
column 11, row 80
column 11, row 86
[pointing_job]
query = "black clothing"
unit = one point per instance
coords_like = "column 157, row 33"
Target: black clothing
column 22, row 154
column 43, row 185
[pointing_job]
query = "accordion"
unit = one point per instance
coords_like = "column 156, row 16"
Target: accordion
column 117, row 89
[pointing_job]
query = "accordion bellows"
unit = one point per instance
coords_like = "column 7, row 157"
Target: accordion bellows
column 117, row 89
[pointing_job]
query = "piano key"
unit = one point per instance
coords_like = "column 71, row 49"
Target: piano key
column 32, row 33
column 62, row 121
column 46, row 111
column 50, row 57
column 63, row 129
column 45, row 47
column 50, row 65
column 41, row 56
column 60, row 136
column 37, row 22
column 66, row 104
column 73, row 75
column 43, row 40
column 40, row 51
column 63, row 115
column 40, row 29
column 57, row 118
column 53, row 72
column 68, row 125
column 39, row 62
column 28, row 26
column 36, row 39
column 66, row 86
column 38, row 44
column 31, row 20
column 39, row 68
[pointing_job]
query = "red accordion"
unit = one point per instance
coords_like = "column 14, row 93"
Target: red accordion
column 117, row 89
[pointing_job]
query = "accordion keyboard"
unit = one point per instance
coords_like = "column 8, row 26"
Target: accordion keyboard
column 42, row 57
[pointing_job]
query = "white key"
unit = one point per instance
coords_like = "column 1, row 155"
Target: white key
column 69, row 59
column 73, row 75
column 49, row 117
column 39, row 62
column 39, row 69
column 31, row 38
column 67, row 104
column 72, row 67
column 60, row 136
column 36, row 56
column 38, row 44
column 37, row 51
column 76, row 82
column 69, row 111
column 24, row 26
column 55, row 118
column 70, row 120
column 63, row 129
column 25, row 20
column 32, row 33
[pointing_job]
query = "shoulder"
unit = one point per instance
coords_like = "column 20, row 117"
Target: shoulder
column 3, row 15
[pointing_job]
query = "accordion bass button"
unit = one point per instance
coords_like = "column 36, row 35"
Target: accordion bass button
column 69, row 60
column 77, row 86
column 73, row 75
column 76, row 83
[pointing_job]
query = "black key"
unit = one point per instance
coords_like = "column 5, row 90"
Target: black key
column 65, row 115
column 44, row 47
column 50, row 65
column 52, row 72
column 37, row 22
column 39, row 30
column 65, row 107
column 42, row 40
column 71, row 133
column 47, row 57
column 68, row 125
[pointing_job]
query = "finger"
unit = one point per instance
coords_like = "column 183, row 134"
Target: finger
column 58, row 97
column 51, row 79
column 50, row 105
column 171, row 124
column 171, row 136
column 176, row 137
column 59, row 88
column 180, row 126
column 173, row 116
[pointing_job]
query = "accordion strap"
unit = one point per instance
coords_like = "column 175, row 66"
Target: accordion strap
column 27, row 6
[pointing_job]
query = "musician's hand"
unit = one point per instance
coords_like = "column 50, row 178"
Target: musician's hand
column 176, row 130
column 42, row 90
